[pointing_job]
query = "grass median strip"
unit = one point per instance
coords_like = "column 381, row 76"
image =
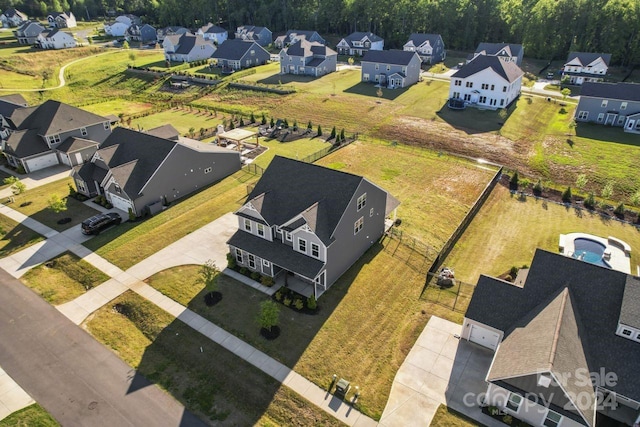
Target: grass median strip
column 209, row 380
column 33, row 415
column 15, row 237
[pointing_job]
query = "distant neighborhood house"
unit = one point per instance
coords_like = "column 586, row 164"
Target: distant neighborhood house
column 141, row 33
column 308, row 58
column 55, row 39
column 238, row 54
column 116, row 29
column 52, row 133
column 305, row 225
column 213, row 33
column 391, row 68
column 584, row 67
column 141, row 172
column 12, row 18
column 62, row 20
column 612, row 104
column 359, row 43
column 508, row 52
column 430, row 47
column 28, row 32
column 260, row 35
column 161, row 33
column 293, row 36
column 187, row 48
column 486, row 82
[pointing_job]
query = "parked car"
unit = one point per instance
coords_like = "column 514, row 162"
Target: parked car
column 97, row 223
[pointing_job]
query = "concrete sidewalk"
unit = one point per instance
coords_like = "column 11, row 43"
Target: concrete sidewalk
column 12, row 396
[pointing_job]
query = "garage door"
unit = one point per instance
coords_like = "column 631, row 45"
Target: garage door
column 42, row 162
column 484, row 337
column 120, row 203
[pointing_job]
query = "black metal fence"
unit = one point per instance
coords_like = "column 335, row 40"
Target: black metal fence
column 253, row 169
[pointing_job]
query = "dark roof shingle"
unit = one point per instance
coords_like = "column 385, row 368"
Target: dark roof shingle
column 620, row 91
column 507, row 70
column 393, row 56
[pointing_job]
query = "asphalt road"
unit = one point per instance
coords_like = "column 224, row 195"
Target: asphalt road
column 75, row 378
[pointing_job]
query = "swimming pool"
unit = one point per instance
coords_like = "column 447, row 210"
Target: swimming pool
column 589, row 251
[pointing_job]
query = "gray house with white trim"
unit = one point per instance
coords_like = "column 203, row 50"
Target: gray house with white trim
column 260, row 35
column 359, row 43
column 139, row 170
column 569, row 320
column 308, row 223
column 582, row 67
column 610, row 104
column 187, row 47
column 28, row 32
column 293, row 36
column 308, row 58
column 238, row 54
column 391, row 68
column 12, row 18
column 50, row 134
column 430, row 47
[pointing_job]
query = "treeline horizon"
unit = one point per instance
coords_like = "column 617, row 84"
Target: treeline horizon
column 548, row 29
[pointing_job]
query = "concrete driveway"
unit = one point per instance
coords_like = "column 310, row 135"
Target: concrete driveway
column 440, row 369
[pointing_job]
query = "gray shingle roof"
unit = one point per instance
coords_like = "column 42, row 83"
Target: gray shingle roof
column 620, row 91
column 25, row 143
column 630, row 311
column 587, row 58
column 418, row 39
column 7, row 108
column 213, row 29
column 307, row 33
column 165, row 131
column 393, row 56
column 359, row 35
column 306, row 49
column 507, row 70
column 53, row 117
column 290, row 188
column 73, row 143
column 14, row 98
column 235, row 49
column 597, row 298
column 133, row 157
column 495, row 48
column 90, row 172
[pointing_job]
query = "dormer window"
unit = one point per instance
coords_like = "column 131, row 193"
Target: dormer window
column 106, row 126
column 54, row 139
column 117, row 188
column 302, row 245
column 83, row 131
column 260, row 230
column 247, row 225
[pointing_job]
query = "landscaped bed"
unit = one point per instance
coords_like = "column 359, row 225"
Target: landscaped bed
column 207, row 379
column 63, row 278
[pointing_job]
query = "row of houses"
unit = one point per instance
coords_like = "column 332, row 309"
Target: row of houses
column 13, row 18
column 33, row 33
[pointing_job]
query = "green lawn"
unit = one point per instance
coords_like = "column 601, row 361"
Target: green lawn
column 63, row 278
column 15, row 236
column 507, row 231
column 34, row 203
column 298, row 149
column 182, row 120
column 209, row 380
column 34, row 415
column 447, row 417
column 118, row 106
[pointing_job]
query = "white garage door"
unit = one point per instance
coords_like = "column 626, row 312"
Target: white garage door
column 120, row 203
column 484, row 337
column 42, row 162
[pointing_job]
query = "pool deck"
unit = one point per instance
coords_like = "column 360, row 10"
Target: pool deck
column 620, row 252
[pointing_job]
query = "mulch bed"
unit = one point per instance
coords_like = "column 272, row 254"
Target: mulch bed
column 212, row 298
column 555, row 196
column 270, row 334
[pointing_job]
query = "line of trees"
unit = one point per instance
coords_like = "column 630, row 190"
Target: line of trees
column 547, row 28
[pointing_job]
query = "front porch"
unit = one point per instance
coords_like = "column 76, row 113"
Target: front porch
column 295, row 283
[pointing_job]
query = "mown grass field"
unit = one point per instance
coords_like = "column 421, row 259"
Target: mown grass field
column 33, row 415
column 63, row 278
column 118, row 106
column 298, row 149
column 182, row 120
column 209, row 380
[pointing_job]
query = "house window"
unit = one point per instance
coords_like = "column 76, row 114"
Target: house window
column 208, row 170
column 600, row 117
column 252, row 261
column 457, row 83
column 371, row 212
column 260, row 230
column 485, row 86
column 604, row 103
column 493, row 87
column 623, row 106
column 626, row 332
column 504, row 88
column 315, row 250
column 583, row 115
column 55, row 139
column 117, row 188
column 83, row 131
column 358, row 225
column 287, row 236
column 266, row 263
column 80, row 185
column 239, row 256
column 483, row 100
column 388, row 67
column 552, row 420
column 514, row 402
column 467, row 97
column 469, row 84
column 377, row 66
column 365, row 77
column 456, row 95
column 247, row 225
column 302, row 245
column 106, row 126
column 621, row 120
column 362, row 201
column 501, row 102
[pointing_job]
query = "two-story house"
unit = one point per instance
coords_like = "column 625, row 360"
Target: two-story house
column 430, row 47
column 613, row 104
column 486, row 82
column 237, row 54
column 359, row 43
column 12, row 18
column 391, row 68
column 308, row 222
column 116, row 29
column 584, row 67
column 28, row 32
column 55, row 39
column 260, row 35
column 293, row 36
column 141, row 33
column 161, row 33
column 187, row 48
column 52, row 133
column 62, row 20
column 142, row 171
column 508, row 52
column 566, row 342
column 308, row 58
column 8, row 104
column 213, row 33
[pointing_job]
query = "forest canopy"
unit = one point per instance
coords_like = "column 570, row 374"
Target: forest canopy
column 547, row 28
